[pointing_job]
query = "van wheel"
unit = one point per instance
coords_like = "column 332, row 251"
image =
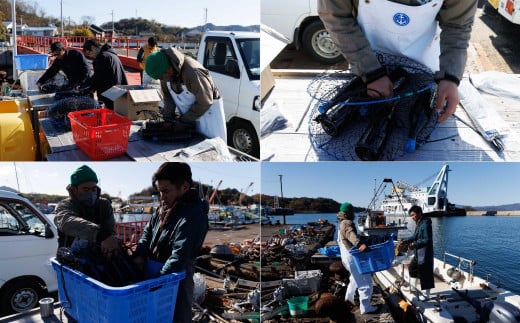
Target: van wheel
column 317, row 43
column 19, row 296
column 242, row 136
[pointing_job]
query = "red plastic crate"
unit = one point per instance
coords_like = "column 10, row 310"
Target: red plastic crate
column 100, row 133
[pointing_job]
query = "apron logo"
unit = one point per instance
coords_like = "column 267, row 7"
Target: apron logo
column 401, row 19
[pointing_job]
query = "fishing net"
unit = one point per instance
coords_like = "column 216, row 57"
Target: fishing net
column 348, row 125
column 59, row 110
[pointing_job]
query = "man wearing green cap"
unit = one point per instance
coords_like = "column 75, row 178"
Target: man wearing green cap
column 348, row 239
column 85, row 215
column 187, row 85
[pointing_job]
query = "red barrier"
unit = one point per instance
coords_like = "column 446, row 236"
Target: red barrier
column 130, row 232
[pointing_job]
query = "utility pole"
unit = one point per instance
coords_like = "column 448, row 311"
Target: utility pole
column 113, row 30
column 61, row 14
column 282, row 205
column 205, row 19
column 13, row 32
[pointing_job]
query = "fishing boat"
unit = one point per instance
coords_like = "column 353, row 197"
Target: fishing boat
column 432, row 199
column 458, row 296
column 138, row 208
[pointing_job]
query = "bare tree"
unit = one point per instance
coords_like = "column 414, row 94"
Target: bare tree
column 88, row 20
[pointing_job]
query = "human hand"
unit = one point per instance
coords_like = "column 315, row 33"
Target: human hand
column 110, row 247
column 382, row 87
column 362, row 247
column 447, row 99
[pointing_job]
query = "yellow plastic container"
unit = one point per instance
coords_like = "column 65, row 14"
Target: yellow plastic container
column 16, row 134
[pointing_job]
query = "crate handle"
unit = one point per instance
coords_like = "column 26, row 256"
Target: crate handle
column 153, row 289
column 87, row 114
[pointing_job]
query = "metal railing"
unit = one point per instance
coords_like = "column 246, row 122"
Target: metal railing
column 130, row 232
column 42, row 43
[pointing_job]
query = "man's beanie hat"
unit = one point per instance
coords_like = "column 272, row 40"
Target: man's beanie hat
column 345, row 207
column 82, row 175
column 156, row 64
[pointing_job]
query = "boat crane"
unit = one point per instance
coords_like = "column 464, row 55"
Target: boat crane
column 243, row 193
column 406, row 186
column 212, row 197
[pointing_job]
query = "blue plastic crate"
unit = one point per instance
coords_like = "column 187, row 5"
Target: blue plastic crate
column 88, row 300
column 379, row 257
column 31, row 62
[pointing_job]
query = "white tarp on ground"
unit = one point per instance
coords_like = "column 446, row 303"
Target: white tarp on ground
column 271, row 118
column 497, row 83
column 272, row 44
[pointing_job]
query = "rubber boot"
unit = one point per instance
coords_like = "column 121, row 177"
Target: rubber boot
column 365, row 307
column 425, row 295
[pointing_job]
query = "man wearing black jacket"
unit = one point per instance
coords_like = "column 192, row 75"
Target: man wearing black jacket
column 176, row 231
column 108, row 70
column 71, row 62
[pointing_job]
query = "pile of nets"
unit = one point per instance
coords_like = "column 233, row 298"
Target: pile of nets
column 60, row 109
column 348, row 125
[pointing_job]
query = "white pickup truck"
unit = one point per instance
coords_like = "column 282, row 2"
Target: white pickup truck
column 299, row 22
column 28, row 239
column 233, row 59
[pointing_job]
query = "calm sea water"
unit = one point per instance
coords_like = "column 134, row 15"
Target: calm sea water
column 492, row 241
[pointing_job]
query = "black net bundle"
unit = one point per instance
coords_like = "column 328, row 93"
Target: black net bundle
column 158, row 127
column 59, row 110
column 348, row 125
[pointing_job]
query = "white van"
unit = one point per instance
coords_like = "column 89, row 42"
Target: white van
column 233, row 59
column 28, row 239
column 298, row 20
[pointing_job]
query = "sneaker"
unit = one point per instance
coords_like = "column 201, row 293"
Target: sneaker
column 423, row 298
column 372, row 309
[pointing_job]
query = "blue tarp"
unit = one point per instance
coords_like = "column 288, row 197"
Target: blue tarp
column 332, row 251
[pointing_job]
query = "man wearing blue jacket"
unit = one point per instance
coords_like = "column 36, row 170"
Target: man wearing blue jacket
column 176, row 231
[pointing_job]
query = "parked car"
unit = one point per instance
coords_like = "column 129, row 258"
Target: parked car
column 28, row 239
column 233, row 59
column 298, row 20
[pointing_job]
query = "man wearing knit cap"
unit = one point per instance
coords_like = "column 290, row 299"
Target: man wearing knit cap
column 348, row 239
column 188, row 86
column 85, row 215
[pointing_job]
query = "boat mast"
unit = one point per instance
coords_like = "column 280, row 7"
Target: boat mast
column 281, row 198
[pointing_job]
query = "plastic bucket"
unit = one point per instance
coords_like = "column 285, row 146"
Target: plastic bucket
column 298, row 305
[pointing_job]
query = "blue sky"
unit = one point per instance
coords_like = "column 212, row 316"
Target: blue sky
column 173, row 13
column 123, row 178
column 475, row 184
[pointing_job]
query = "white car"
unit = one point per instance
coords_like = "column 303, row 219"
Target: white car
column 28, row 240
column 299, row 22
column 233, row 59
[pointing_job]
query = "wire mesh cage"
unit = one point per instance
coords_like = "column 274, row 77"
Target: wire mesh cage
column 59, row 110
column 347, row 124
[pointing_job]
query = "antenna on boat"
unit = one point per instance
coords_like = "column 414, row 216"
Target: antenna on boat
column 281, row 198
column 16, row 173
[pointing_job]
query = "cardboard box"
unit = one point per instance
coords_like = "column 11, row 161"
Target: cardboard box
column 129, row 99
